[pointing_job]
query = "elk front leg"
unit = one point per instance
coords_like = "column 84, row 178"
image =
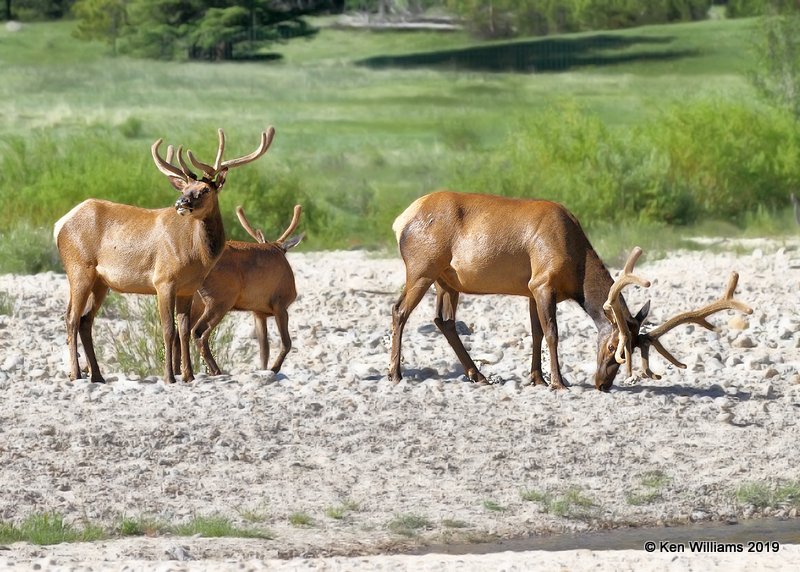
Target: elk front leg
column 183, row 308
column 545, row 299
column 166, row 311
column 410, row 297
column 445, row 320
column 536, row 355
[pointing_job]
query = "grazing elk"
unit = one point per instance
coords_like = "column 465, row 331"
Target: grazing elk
column 250, row 277
column 483, row 244
column 166, row 252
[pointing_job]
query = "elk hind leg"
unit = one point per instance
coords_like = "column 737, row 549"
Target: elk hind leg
column 536, row 356
column 410, row 297
column 202, row 333
column 260, row 324
column 80, row 291
column 445, row 320
column 98, row 295
column 545, row 299
column 282, row 321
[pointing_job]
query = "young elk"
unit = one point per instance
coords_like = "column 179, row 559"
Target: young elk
column 166, row 252
column 482, row 244
column 250, row 277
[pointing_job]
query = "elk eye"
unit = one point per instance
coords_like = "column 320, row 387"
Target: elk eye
column 611, row 348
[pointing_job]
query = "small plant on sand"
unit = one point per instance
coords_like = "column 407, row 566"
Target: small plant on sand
column 338, row 512
column 649, row 490
column 409, row 524
column 454, row 523
column 572, row 504
column 6, row 303
column 301, row 519
column 217, row 526
column 253, row 515
column 493, row 506
column 141, row 526
column 48, row 528
column 762, row 495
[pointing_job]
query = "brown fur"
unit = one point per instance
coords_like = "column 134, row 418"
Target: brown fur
column 483, row 244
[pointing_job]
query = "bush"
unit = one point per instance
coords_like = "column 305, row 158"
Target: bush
column 704, row 161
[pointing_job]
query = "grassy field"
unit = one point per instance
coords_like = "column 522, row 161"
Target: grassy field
column 365, row 121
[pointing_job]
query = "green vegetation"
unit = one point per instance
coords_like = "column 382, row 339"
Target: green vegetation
column 762, row 495
column 6, row 303
column 301, row 519
column 651, row 129
column 339, row 512
column 409, row 524
column 649, row 488
column 493, row 506
column 573, row 504
column 454, row 523
column 48, row 528
column 216, row 526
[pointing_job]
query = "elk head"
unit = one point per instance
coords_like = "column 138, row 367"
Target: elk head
column 616, row 346
column 198, row 194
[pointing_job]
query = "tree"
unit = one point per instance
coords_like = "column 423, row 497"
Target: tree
column 100, row 20
column 778, row 56
column 197, row 29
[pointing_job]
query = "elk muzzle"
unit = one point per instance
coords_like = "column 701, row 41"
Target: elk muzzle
column 184, row 205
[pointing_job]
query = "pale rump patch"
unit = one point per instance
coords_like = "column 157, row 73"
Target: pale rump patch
column 62, row 221
column 407, row 215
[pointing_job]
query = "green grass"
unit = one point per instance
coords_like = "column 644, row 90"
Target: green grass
column 355, row 143
column 48, row 528
column 217, row 526
column 763, row 495
column 649, row 488
column 409, row 524
column 341, row 511
column 572, row 504
column 301, row 519
column 493, row 506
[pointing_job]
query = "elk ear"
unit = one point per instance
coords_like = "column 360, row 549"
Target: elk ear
column 178, row 183
column 641, row 315
column 220, row 180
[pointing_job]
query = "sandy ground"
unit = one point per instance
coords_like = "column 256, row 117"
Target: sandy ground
column 330, row 434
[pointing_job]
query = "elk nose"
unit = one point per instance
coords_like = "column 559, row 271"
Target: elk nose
column 183, row 205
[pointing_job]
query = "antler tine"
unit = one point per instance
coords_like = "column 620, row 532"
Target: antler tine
column 614, row 311
column 166, row 167
column 292, row 225
column 726, row 302
column 170, row 154
column 220, row 149
column 256, row 234
column 207, row 169
column 184, row 167
column 266, row 141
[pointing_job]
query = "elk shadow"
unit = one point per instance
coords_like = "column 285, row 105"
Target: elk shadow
column 540, row 55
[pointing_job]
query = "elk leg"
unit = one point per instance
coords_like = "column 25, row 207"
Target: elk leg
column 99, row 293
column 409, row 298
column 202, row 332
column 446, row 303
column 282, row 321
column 262, row 337
column 166, row 311
column 79, row 292
column 536, row 356
column 545, row 299
column 183, row 308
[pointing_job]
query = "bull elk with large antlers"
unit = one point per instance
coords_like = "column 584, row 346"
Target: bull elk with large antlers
column 250, row 277
column 483, row 244
column 167, row 252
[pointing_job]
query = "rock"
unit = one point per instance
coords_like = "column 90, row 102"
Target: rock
column 737, row 323
column 744, row 342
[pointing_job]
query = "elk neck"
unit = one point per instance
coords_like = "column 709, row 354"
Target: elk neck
column 209, row 235
column 597, row 283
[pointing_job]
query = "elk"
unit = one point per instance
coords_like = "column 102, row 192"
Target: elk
column 167, row 252
column 251, row 277
column 484, row 244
